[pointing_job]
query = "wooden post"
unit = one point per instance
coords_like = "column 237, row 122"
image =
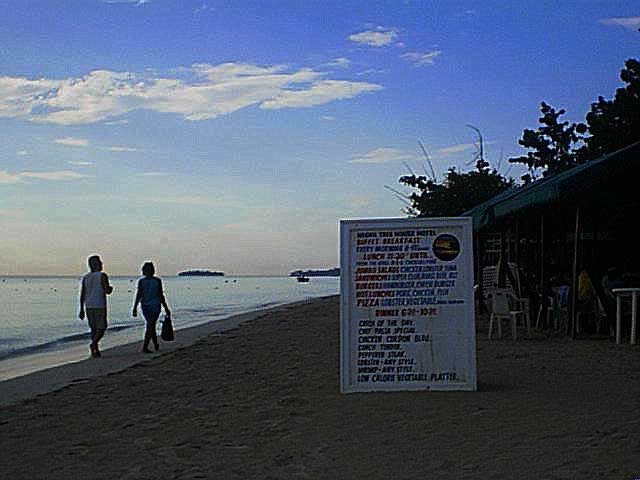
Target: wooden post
column 618, row 318
column 478, row 273
column 542, row 315
column 574, row 287
column 517, row 245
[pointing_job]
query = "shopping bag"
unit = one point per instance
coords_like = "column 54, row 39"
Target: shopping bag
column 167, row 333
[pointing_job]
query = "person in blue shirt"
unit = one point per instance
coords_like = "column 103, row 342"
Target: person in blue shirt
column 151, row 297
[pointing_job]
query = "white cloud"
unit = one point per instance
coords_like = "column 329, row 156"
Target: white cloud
column 321, row 92
column 72, row 142
column 117, row 122
column 134, row 2
column 461, row 147
column 341, row 62
column 122, row 149
column 380, row 37
column 382, row 155
column 630, row 23
column 371, row 71
column 153, row 174
column 55, row 176
column 211, row 91
column 22, row 153
column 60, row 175
column 328, row 118
column 421, row 59
column 79, row 163
column 19, row 95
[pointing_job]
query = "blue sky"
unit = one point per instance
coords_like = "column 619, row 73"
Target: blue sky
column 236, row 135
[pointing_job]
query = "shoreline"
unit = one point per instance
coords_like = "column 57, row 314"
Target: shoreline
column 263, row 401
column 74, row 365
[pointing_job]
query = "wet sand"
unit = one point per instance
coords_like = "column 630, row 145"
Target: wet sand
column 262, row 401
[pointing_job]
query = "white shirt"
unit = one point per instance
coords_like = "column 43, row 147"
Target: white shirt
column 95, row 296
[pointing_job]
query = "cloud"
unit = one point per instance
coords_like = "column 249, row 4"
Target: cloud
column 22, row 153
column 381, row 37
column 72, row 142
column 79, row 163
column 137, row 3
column 421, row 59
column 382, row 155
column 122, row 149
column 18, row 95
column 153, row 174
column 328, row 118
column 202, row 92
column 461, row 147
column 371, row 71
column 630, row 23
column 60, row 175
column 319, row 93
column 340, row 62
column 55, row 176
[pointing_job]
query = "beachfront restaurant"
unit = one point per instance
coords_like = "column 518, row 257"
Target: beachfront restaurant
column 553, row 241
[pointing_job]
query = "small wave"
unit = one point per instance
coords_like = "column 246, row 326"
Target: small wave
column 262, row 306
column 57, row 343
column 8, row 340
column 213, row 311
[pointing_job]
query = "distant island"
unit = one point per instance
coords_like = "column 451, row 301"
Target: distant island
column 200, row 273
column 332, row 272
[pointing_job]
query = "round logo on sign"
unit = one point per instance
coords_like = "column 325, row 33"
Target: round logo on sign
column 446, row 247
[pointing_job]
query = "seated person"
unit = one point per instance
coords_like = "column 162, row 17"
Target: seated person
column 587, row 297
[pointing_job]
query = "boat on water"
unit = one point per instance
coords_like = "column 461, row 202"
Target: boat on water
column 302, row 279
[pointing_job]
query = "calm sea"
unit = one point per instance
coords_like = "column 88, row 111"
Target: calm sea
column 39, row 314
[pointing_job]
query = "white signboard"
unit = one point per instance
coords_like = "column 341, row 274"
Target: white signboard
column 407, row 310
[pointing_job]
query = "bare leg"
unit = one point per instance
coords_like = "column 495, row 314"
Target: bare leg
column 147, row 338
column 151, row 318
column 150, row 335
column 96, row 337
column 154, row 334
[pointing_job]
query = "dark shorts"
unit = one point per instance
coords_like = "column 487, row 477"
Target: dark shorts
column 150, row 313
column 97, row 318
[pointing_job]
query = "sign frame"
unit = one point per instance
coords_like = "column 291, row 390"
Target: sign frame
column 462, row 225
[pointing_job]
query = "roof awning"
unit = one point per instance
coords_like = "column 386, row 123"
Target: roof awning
column 607, row 180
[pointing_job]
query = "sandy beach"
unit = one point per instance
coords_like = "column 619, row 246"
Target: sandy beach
column 261, row 400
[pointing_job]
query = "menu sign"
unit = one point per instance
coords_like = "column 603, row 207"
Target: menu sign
column 407, row 310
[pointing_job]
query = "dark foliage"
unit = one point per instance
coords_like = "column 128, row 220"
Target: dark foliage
column 458, row 193
column 610, row 125
column 614, row 124
column 551, row 146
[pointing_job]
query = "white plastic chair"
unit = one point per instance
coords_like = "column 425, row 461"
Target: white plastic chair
column 501, row 310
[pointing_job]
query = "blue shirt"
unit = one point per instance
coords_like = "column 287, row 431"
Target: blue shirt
column 151, row 291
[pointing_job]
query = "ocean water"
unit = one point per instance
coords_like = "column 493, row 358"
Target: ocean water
column 40, row 314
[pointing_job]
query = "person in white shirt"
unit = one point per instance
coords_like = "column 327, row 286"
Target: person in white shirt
column 93, row 297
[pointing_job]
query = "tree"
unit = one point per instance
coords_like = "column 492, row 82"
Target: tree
column 611, row 124
column 614, row 124
column 458, row 192
column 552, row 145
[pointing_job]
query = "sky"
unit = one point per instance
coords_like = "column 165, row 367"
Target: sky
column 235, row 135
